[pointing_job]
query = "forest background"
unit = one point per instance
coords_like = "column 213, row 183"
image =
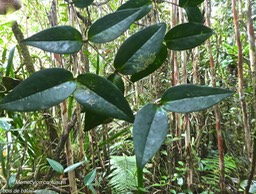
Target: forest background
column 209, row 151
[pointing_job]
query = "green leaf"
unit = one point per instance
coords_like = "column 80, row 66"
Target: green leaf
column 44, row 191
column 82, row 3
column 116, row 79
column 160, row 59
column 189, row 3
column 92, row 120
column 55, row 165
column 10, row 83
column 59, row 39
column 89, row 178
column 100, row 96
column 9, row 67
column 138, row 4
column 191, row 98
column 112, row 25
column 73, row 166
column 194, row 14
column 140, row 50
column 43, row 89
column 187, row 36
column 12, row 181
column 149, row 132
column 5, row 123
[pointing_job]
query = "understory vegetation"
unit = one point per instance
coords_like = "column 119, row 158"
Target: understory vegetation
column 133, row 96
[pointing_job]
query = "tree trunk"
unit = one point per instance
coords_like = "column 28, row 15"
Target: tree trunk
column 216, row 108
column 251, row 38
column 241, row 80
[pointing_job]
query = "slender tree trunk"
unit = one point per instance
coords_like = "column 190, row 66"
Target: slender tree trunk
column 216, row 108
column 241, row 80
column 251, row 38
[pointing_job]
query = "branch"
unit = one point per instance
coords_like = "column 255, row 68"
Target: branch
column 23, row 48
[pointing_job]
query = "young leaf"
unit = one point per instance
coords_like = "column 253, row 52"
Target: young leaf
column 149, row 131
column 55, row 165
column 89, row 178
column 140, row 50
column 59, row 39
column 100, row 96
column 191, row 98
column 194, row 14
column 82, row 3
column 160, row 58
column 73, row 166
column 43, row 89
column 187, row 36
column 138, row 4
column 112, row 25
column 189, row 3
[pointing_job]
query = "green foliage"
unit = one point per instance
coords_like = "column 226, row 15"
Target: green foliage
column 55, row 165
column 43, row 89
column 100, row 96
column 146, row 4
column 123, row 175
column 189, row 3
column 149, row 132
column 44, row 191
column 191, row 98
column 60, row 39
column 209, row 167
column 187, row 36
column 158, row 62
column 103, row 99
column 140, row 50
column 113, row 25
column 82, row 3
column 194, row 14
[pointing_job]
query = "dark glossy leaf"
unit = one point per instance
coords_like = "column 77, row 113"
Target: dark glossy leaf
column 112, row 25
column 82, row 3
column 189, row 3
column 137, row 4
column 43, row 89
column 10, row 83
column 191, row 98
column 59, row 39
column 160, row 59
column 92, row 120
column 140, row 50
column 100, row 96
column 149, row 132
column 116, row 79
column 187, row 36
column 194, row 14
